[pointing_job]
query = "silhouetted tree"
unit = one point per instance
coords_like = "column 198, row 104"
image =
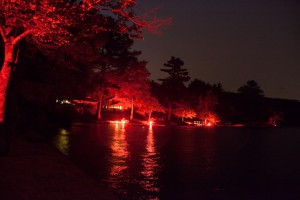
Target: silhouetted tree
column 252, row 106
column 173, row 85
column 251, row 89
column 198, row 88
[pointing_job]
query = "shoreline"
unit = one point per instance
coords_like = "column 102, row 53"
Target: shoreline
column 36, row 170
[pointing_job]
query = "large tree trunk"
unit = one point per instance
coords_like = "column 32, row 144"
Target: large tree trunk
column 4, row 77
column 9, row 44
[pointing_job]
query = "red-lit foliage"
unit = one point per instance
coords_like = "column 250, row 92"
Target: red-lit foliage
column 148, row 103
column 50, row 24
column 115, row 57
column 209, row 117
column 183, row 110
column 206, row 106
column 274, row 118
column 133, row 83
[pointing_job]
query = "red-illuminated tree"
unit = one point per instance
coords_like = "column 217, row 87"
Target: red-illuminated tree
column 209, row 117
column 274, row 118
column 183, row 110
column 149, row 103
column 133, row 85
column 114, row 59
column 50, row 24
column 206, row 108
column 173, row 86
column 117, row 63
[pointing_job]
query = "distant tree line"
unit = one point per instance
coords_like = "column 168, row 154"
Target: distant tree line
column 113, row 74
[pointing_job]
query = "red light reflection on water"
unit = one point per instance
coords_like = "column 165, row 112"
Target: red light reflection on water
column 150, row 164
column 119, row 156
column 123, row 122
column 120, row 177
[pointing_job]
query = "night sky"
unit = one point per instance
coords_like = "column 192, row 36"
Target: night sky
column 230, row 41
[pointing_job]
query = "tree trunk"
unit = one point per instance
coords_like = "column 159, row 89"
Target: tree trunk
column 169, row 111
column 131, row 114
column 99, row 108
column 5, row 74
column 150, row 113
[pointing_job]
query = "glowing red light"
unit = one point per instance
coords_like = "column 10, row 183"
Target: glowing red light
column 151, row 123
column 209, row 124
column 123, row 121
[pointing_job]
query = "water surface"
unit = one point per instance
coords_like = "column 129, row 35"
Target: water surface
column 142, row 162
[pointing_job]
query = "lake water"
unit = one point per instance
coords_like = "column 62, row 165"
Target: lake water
column 142, row 162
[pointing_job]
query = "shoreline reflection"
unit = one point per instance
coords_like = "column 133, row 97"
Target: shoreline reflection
column 62, row 141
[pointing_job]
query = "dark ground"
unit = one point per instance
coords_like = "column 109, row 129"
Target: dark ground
column 35, row 170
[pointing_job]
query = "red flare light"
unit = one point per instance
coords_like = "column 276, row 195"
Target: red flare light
column 209, row 124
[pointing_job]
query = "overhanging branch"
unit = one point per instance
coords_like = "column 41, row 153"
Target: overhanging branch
column 20, row 37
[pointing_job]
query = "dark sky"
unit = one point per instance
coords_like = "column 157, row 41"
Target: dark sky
column 230, row 41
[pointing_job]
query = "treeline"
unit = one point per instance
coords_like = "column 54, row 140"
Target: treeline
column 110, row 72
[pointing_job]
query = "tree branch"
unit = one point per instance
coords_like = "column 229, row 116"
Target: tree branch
column 2, row 32
column 8, row 31
column 20, row 37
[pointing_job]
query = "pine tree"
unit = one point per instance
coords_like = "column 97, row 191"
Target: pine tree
column 173, row 85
